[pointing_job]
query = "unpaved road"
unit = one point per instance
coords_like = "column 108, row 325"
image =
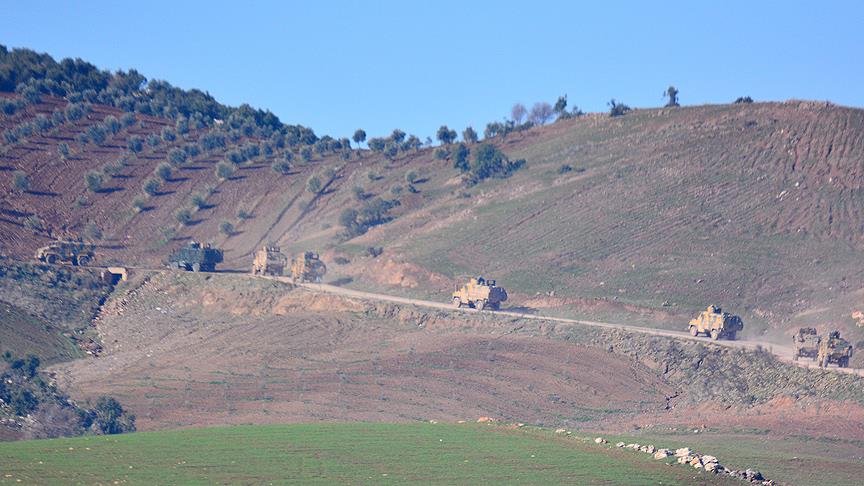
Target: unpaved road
column 784, row 353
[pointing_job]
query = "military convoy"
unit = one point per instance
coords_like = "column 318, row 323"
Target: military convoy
column 805, row 343
column 716, row 323
column 480, row 294
column 195, row 257
column 269, row 260
column 307, row 267
column 834, row 349
column 66, row 252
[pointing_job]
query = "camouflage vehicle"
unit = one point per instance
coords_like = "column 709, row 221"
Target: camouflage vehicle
column 805, row 343
column 716, row 323
column 68, row 252
column 269, row 260
column 480, row 294
column 307, row 267
column 834, row 349
column 195, row 257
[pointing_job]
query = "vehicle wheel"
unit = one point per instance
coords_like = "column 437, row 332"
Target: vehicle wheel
column 693, row 331
column 457, row 302
column 83, row 260
column 731, row 336
column 715, row 334
column 495, row 306
column 479, row 304
column 196, row 267
column 844, row 363
column 823, row 363
column 51, row 259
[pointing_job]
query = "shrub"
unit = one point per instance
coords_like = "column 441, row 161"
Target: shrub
column 177, row 156
column 446, row 135
column 182, row 125
column 491, row 162
column 135, row 144
column 360, row 193
column 112, row 124
column 243, row 214
column 396, row 190
column 192, row 150
column 373, row 176
column 74, row 112
column 152, row 186
column 744, row 99
column 411, row 177
column 226, row 228
column 153, row 140
column 375, row 252
column 97, row 134
column 112, row 168
column 617, row 109
column 58, row 118
column 236, row 157
column 199, row 200
column 372, row 213
column 43, row 123
column 138, row 204
column 469, row 135
column 94, row 180
column 306, row 154
column 8, row 107
column 20, row 181
column 441, row 153
column 460, row 157
column 10, row 137
column 183, row 216
column 63, row 150
column 224, row 170
column 108, row 417
column 313, row 184
column 564, row 169
column 281, row 166
column 163, row 171
column 168, row 134
column 128, row 119
column 211, row 141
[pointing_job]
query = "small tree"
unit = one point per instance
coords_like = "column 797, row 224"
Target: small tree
column 163, row 171
column 226, row 228
column 153, row 140
column 518, row 112
column 152, row 186
column 411, row 177
column 469, row 135
column 112, row 124
column 617, row 109
column 224, row 170
column 94, row 180
column 306, row 154
column 359, row 136
column 63, row 150
column 97, row 134
column 541, row 112
column 460, row 157
column 138, row 204
column 20, row 181
column 177, row 156
column 135, row 144
column 281, row 166
column 672, row 94
column 397, row 136
column 168, row 134
column 743, row 99
column 313, row 184
column 560, row 107
column 445, row 135
column 183, row 216
column 110, row 418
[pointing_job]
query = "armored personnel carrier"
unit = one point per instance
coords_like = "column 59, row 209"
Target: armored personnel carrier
column 834, row 349
column 480, row 293
column 716, row 323
column 66, row 252
column 195, row 257
column 307, row 267
column 805, row 343
column 269, row 260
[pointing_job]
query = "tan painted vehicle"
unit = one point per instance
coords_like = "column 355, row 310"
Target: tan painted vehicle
column 269, row 260
column 479, row 293
column 805, row 343
column 66, row 252
column 716, row 323
column 834, row 349
column 307, row 267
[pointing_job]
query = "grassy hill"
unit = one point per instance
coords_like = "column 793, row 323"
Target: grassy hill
column 336, row 454
column 645, row 217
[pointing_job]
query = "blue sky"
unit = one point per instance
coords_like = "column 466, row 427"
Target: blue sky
column 414, row 65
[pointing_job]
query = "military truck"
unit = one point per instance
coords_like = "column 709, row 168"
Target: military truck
column 269, row 260
column 195, row 257
column 805, row 343
column 307, row 267
column 834, row 349
column 479, row 293
column 66, row 252
column 716, row 323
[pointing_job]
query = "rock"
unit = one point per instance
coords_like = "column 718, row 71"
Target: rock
column 711, row 466
column 633, row 446
column 650, row 449
column 560, row 431
column 706, row 459
column 662, row 454
column 753, row 475
column 684, row 451
column 600, row 440
column 620, row 444
column 483, row 420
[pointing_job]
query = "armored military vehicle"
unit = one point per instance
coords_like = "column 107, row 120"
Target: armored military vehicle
column 480, row 294
column 195, row 257
column 269, row 260
column 834, row 349
column 805, row 343
column 716, row 323
column 66, row 252
column 307, row 267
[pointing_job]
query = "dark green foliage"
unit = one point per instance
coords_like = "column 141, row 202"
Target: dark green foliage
column 490, row 162
column 43, row 123
column 671, row 94
column 182, row 125
column 24, row 130
column 281, row 166
column 110, row 418
column 163, row 171
column 168, row 134
column 94, row 180
column 112, row 124
column 314, row 185
column 183, row 216
column 212, row 140
column 152, row 186
column 372, row 213
column 224, row 170
column 135, row 144
column 617, row 109
column 20, row 181
column 8, row 107
column 10, row 137
column 445, row 135
column 58, row 118
column 377, row 144
column 413, row 143
column 397, row 136
column 226, row 228
column 565, row 169
column 306, row 154
column 359, row 136
column 250, row 151
column 469, row 135
column 560, row 107
column 441, row 153
column 63, row 150
column 153, row 140
column 192, row 150
column 96, row 134
column 375, row 252
column 177, row 156
column 128, row 119
column 411, row 177
column 744, row 99
column 74, row 111
column 460, row 157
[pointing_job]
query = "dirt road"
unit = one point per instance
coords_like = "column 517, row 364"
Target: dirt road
column 784, row 353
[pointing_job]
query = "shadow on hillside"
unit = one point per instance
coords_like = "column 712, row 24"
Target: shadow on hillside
column 177, row 179
column 110, row 190
column 115, row 246
column 15, row 214
column 194, row 168
column 341, row 281
column 6, row 168
column 43, row 193
column 521, row 310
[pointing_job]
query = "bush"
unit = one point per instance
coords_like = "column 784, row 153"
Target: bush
column 744, row 99
column 112, row 124
column 192, row 150
column 199, row 200
column 491, row 162
column 112, row 168
column 211, row 141
column 152, row 186
column 373, row 176
column 177, row 156
column 94, row 180
column 135, row 144
column 243, row 214
column 617, row 109
column 63, row 150
column 360, row 193
column 74, row 112
column 226, row 228
column 20, row 181
column 138, row 204
column 469, row 135
column 374, row 252
column 153, row 140
column 97, row 134
column 411, row 177
column 163, row 171
column 168, row 134
column 183, row 216
column 314, row 185
column 43, row 123
column 108, row 417
column 281, row 166
column 224, row 170
column 372, row 213
column 441, row 153
column 182, row 125
column 128, row 119
column 460, row 157
column 306, row 154
column 564, row 169
column 58, row 118
column 10, row 137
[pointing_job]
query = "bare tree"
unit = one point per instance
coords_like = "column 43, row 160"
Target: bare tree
column 541, row 112
column 518, row 112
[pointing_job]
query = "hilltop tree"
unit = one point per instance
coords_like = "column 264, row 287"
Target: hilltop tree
column 541, row 112
column 672, row 94
column 617, row 109
column 359, row 136
column 397, row 136
column 517, row 113
column 560, row 107
column 445, row 135
column 469, row 135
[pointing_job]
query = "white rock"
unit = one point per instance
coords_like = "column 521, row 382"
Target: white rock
column 600, row 440
column 620, row 444
column 684, row 451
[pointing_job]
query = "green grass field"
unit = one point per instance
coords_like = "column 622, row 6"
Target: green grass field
column 334, row 454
